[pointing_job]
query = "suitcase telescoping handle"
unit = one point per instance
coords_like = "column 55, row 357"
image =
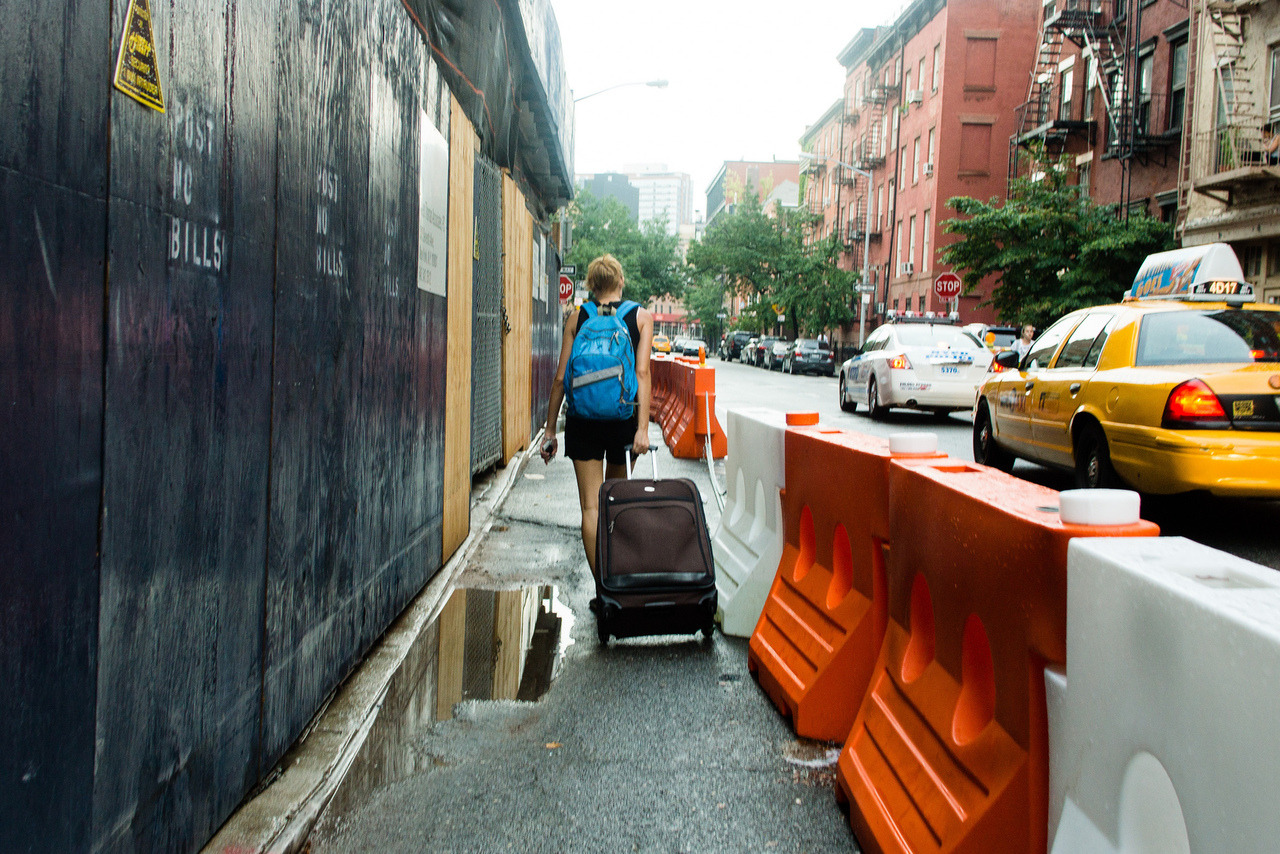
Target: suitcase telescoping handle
column 653, row 458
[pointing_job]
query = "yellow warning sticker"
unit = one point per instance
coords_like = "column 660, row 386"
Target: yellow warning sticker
column 138, row 68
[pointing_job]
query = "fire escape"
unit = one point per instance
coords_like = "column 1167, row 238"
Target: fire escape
column 1226, row 152
column 1120, row 82
column 815, row 167
column 868, row 155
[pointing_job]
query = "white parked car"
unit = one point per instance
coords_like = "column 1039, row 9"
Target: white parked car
column 924, row 363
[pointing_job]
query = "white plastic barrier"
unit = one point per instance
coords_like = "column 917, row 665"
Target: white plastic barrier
column 748, row 541
column 1167, row 739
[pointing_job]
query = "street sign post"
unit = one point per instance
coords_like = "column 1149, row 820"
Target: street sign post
column 947, row 286
column 566, row 288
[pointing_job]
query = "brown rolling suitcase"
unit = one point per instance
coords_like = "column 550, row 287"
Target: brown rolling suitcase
column 654, row 570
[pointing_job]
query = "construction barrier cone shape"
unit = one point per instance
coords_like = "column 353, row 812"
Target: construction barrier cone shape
column 949, row 751
column 747, row 542
column 820, row 630
column 1168, row 739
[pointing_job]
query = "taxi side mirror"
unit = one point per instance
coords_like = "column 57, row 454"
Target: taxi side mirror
column 1008, row 359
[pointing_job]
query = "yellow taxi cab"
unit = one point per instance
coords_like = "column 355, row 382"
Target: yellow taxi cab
column 661, row 343
column 1173, row 390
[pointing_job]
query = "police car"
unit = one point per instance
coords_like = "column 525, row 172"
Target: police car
column 915, row 361
column 1173, row 390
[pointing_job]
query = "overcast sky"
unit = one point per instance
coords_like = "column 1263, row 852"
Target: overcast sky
column 746, row 78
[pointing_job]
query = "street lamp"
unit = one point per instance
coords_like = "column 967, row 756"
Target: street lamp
column 656, row 84
column 866, row 236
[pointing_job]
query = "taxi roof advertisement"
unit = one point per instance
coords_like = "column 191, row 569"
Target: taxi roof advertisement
column 1195, row 272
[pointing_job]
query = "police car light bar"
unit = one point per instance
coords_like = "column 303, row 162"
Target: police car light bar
column 1209, row 273
column 895, row 316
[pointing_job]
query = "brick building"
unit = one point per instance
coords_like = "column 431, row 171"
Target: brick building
column 1109, row 89
column 765, row 178
column 1230, row 183
column 928, row 108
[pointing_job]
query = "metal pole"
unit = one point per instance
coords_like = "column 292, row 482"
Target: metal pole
column 866, row 252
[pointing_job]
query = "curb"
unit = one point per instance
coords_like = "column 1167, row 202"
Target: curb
column 280, row 817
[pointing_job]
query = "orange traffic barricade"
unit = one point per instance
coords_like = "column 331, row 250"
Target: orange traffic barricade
column 949, row 751
column 819, row 634
column 688, row 417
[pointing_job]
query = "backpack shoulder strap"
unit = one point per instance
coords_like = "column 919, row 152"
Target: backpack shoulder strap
column 590, row 307
column 627, row 307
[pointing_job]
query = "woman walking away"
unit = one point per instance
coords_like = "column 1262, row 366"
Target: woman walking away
column 607, row 390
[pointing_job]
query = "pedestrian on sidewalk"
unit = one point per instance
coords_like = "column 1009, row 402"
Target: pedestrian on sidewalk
column 597, row 447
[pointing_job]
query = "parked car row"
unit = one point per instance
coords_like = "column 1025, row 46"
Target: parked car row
column 803, row 356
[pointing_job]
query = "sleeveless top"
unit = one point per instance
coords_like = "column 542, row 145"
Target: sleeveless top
column 633, row 325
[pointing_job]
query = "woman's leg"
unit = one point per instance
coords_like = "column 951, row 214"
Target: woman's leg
column 590, row 474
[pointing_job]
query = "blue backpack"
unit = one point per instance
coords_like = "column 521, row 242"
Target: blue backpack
column 600, row 379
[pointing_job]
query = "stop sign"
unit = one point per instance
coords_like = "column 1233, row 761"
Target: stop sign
column 947, row 286
column 566, row 288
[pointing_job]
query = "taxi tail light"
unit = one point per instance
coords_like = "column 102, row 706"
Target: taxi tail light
column 1193, row 404
column 995, row 367
column 900, row 363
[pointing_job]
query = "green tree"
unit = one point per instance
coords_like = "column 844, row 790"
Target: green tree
column 649, row 256
column 1051, row 249
column 704, row 301
column 767, row 261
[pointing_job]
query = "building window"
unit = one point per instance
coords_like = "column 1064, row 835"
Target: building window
column 1251, row 261
column 1083, row 171
column 975, row 149
column 1177, row 83
column 926, row 260
column 1273, row 105
column 920, row 303
column 1066, row 87
column 897, row 243
column 880, row 210
column 1090, row 87
column 902, row 157
column 937, row 66
column 980, row 64
column 915, row 168
column 911, row 253
column 1142, row 115
column 932, row 150
column 920, row 75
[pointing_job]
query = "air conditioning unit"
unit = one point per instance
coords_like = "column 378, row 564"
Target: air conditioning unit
column 915, row 96
column 928, row 170
column 907, row 268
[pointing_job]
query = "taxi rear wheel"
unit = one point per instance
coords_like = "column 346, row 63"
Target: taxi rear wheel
column 1093, row 460
column 985, row 450
column 845, row 403
column 874, row 407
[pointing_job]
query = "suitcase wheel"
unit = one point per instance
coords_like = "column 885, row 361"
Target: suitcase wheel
column 708, row 628
column 602, row 630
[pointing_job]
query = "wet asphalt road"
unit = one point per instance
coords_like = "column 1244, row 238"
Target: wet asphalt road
column 646, row 745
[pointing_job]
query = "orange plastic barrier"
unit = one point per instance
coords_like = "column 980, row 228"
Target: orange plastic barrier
column 660, row 366
column 818, row 636
column 686, row 405
column 949, row 751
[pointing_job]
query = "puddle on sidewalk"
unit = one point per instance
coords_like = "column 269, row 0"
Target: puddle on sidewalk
column 486, row 645
column 500, row 645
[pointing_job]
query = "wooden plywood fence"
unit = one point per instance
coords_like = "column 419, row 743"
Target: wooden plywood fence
column 457, row 441
column 517, row 343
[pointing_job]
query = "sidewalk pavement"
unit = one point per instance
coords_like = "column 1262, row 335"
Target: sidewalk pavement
column 649, row 744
